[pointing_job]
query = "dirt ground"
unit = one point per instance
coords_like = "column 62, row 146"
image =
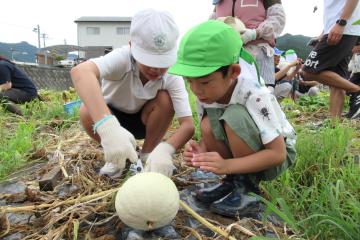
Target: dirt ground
column 76, row 201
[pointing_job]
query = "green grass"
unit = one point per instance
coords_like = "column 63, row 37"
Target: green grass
column 319, row 197
column 21, row 137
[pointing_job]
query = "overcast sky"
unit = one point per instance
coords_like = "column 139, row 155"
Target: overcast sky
column 56, row 18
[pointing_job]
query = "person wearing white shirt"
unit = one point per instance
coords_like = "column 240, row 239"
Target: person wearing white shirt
column 327, row 62
column 137, row 97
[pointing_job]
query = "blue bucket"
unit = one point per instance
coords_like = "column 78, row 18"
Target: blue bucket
column 70, row 107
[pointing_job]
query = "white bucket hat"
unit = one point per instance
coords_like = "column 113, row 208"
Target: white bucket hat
column 153, row 36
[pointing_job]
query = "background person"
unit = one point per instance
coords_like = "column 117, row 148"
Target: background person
column 15, row 86
column 285, row 73
column 264, row 21
column 327, row 62
column 354, row 67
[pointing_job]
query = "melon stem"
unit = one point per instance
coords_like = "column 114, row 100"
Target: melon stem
column 150, row 225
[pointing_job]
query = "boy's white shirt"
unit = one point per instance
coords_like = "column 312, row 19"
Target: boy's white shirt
column 123, row 89
column 261, row 105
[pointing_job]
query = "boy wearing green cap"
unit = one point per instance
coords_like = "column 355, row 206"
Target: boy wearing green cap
column 245, row 134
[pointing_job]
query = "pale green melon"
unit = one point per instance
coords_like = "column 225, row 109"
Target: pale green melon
column 147, row 201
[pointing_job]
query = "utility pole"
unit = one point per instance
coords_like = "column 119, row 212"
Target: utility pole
column 37, row 30
column 44, row 36
column 12, row 53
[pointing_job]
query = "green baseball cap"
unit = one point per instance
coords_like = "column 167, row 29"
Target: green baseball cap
column 290, row 51
column 205, row 48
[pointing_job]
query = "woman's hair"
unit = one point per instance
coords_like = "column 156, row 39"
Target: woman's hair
column 5, row 59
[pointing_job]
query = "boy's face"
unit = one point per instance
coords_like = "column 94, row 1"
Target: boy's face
column 214, row 87
column 151, row 73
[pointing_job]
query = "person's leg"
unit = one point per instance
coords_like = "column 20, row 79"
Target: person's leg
column 313, row 91
column 157, row 115
column 211, row 143
column 332, row 79
column 298, row 94
column 337, row 97
column 10, row 97
column 354, row 102
column 18, row 96
column 283, row 90
column 243, row 139
column 131, row 122
column 328, row 65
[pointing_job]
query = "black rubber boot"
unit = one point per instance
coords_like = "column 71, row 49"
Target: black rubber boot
column 211, row 194
column 239, row 203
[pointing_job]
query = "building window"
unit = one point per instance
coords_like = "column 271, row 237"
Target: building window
column 93, row 31
column 122, row 30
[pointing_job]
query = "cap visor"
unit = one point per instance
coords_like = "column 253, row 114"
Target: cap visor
column 160, row 60
column 191, row 71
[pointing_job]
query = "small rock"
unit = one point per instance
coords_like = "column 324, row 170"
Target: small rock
column 166, row 232
column 13, row 192
column 67, row 190
column 15, row 236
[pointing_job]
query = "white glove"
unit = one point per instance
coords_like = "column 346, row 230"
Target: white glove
column 248, row 35
column 160, row 160
column 118, row 143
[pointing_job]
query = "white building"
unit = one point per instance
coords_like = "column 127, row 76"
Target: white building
column 97, row 34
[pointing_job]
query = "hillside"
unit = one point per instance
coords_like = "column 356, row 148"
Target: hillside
column 296, row 42
column 22, row 52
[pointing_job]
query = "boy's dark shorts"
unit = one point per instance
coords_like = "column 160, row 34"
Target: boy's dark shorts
column 131, row 122
column 334, row 58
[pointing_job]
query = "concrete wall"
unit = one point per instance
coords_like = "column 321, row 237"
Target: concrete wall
column 46, row 77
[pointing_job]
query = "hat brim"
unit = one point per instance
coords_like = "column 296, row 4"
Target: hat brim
column 191, row 71
column 279, row 53
column 164, row 60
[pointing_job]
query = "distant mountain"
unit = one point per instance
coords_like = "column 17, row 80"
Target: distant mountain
column 22, row 52
column 295, row 42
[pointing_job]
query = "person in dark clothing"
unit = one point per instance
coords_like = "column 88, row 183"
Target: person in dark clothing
column 15, row 86
column 354, row 67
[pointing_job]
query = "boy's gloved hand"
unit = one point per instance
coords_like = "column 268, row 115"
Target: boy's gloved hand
column 118, row 143
column 248, row 35
column 160, row 159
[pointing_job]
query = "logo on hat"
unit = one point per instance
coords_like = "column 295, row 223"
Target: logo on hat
column 160, row 41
